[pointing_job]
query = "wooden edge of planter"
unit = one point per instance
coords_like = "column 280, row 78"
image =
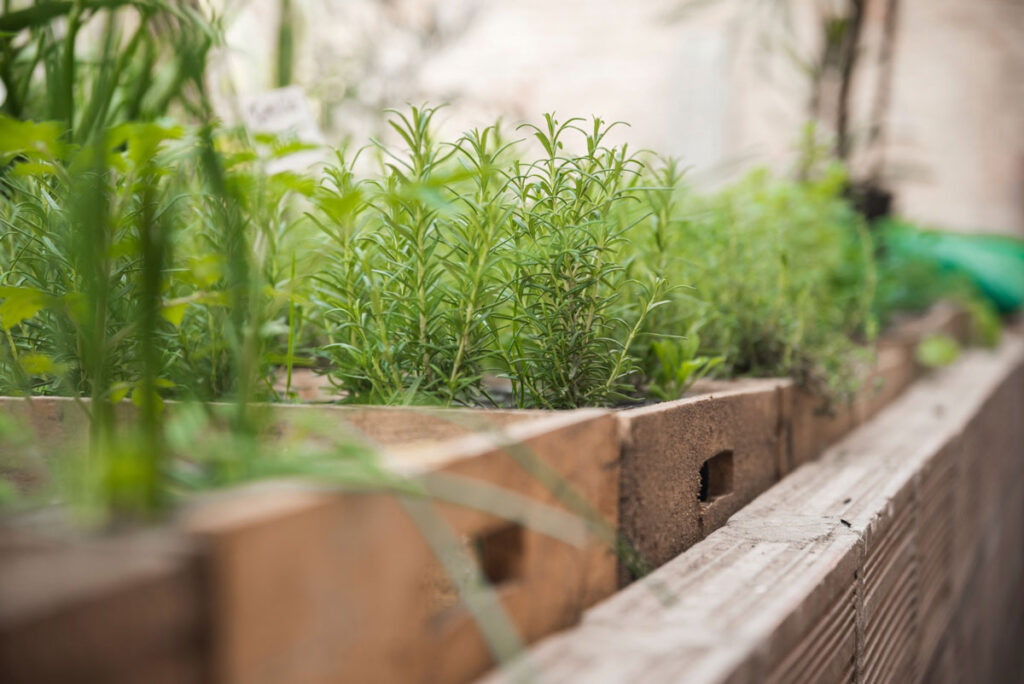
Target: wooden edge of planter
column 61, row 424
column 816, row 424
column 894, row 556
column 331, row 586
column 118, row 609
column 402, row 425
column 294, row 582
column 53, row 418
column 687, row 465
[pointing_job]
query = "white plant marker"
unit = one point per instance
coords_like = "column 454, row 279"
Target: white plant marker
column 285, row 112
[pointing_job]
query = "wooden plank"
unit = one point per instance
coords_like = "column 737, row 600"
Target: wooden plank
column 688, row 465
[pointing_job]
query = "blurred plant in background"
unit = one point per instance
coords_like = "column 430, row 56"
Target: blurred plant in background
column 92, row 65
column 354, row 59
column 778, row 277
column 117, row 222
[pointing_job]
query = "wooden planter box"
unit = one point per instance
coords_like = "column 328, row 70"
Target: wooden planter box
column 285, row 582
column 816, row 425
column 281, row 582
column 688, row 465
column 894, row 557
column 128, row 608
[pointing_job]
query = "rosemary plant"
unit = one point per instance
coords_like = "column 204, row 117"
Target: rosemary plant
column 463, row 260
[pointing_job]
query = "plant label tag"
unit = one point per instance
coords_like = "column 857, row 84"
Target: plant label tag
column 285, row 113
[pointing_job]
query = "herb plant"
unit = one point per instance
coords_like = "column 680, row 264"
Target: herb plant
column 462, row 260
column 778, row 279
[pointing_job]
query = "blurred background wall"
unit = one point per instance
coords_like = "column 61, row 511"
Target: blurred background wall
column 725, row 84
column 958, row 113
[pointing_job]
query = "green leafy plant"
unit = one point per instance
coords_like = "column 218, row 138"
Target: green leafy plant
column 937, row 350
column 576, row 311
column 463, row 260
column 679, row 366
column 778, row 274
column 158, row 262
column 138, row 62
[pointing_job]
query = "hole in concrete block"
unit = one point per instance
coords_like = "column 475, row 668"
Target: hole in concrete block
column 716, row 476
column 500, row 553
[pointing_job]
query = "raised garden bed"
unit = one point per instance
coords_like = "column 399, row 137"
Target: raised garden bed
column 816, row 426
column 293, row 583
column 151, row 252
column 301, row 583
column 896, row 556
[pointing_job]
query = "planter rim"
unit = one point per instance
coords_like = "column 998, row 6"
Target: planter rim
column 742, row 386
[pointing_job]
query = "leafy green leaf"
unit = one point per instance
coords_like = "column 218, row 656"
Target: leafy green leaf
column 29, row 139
column 174, row 312
column 143, row 139
column 20, row 304
column 39, row 364
column 937, row 350
column 118, row 391
column 139, row 395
